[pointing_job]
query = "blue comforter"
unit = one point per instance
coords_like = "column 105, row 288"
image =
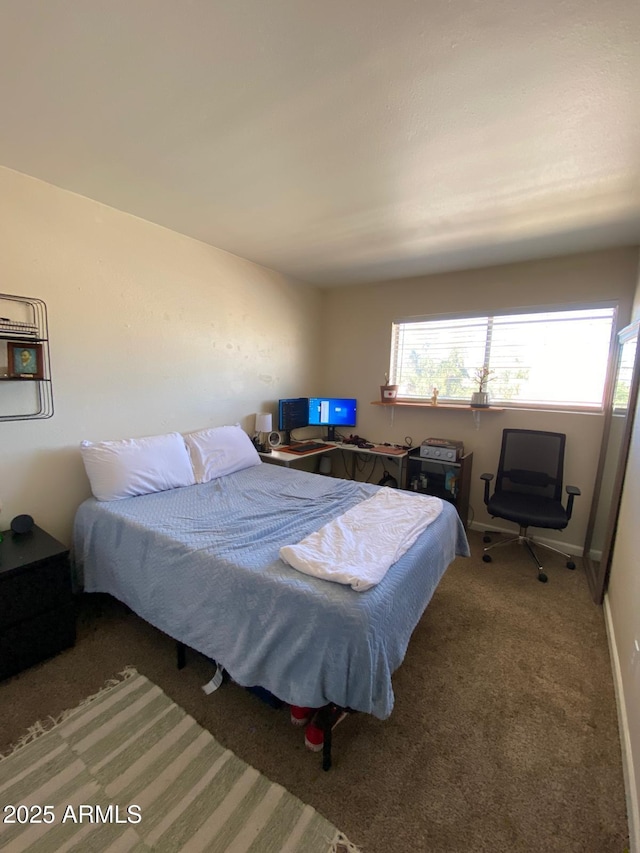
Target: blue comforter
column 201, row 564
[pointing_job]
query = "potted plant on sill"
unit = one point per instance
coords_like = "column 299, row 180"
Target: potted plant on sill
column 480, row 398
column 388, row 393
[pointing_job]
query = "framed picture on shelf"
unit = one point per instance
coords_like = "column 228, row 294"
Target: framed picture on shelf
column 25, row 360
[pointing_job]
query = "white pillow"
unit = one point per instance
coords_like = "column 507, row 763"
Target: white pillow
column 137, row 466
column 219, row 451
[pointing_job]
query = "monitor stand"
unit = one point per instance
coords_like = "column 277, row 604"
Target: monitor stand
column 331, row 433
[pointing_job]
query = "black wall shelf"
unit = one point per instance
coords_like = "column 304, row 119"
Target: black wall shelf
column 23, row 323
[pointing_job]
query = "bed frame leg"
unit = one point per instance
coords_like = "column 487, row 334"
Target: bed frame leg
column 329, row 717
column 326, row 750
column 325, row 725
column 181, row 650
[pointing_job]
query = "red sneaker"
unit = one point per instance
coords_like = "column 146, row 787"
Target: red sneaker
column 313, row 734
column 313, row 737
column 301, row 716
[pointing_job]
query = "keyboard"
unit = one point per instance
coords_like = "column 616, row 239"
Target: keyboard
column 306, row 447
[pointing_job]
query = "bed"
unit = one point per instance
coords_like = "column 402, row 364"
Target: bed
column 201, row 563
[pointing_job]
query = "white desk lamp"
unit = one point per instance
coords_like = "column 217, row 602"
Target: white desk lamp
column 263, row 428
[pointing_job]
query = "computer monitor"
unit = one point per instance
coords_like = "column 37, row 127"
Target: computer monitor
column 332, row 412
column 293, row 413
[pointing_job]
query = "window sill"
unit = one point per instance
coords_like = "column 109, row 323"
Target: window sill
column 460, row 407
column 465, row 407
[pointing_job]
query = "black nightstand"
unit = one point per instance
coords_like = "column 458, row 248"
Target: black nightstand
column 37, row 615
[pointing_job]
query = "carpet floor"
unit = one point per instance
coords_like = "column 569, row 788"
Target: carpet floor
column 504, row 735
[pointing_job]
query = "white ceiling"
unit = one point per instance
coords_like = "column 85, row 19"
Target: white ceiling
column 339, row 141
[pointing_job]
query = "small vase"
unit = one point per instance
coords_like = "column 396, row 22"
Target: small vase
column 480, row 399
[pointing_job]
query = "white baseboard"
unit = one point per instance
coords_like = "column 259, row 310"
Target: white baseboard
column 572, row 548
column 630, row 782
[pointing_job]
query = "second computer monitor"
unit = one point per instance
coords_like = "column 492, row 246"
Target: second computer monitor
column 332, row 412
column 293, row 413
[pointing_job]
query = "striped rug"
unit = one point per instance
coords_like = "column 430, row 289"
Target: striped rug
column 128, row 770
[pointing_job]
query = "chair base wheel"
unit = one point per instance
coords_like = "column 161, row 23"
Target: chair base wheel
column 571, row 564
column 542, row 577
column 486, row 558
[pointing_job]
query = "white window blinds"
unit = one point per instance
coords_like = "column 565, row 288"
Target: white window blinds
column 556, row 359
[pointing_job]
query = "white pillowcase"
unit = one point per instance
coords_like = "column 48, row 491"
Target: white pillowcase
column 137, row 466
column 219, row 451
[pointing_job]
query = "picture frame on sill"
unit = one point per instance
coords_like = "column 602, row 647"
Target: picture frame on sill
column 25, row 360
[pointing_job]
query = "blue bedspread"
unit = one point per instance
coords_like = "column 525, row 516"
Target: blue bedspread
column 201, row 564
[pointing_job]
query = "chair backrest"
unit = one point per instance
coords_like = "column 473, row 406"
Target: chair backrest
column 531, row 462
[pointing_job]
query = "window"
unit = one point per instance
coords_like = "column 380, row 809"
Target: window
column 622, row 387
column 550, row 359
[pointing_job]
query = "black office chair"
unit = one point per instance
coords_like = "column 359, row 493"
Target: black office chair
column 528, row 489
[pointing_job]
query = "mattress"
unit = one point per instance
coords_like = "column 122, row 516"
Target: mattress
column 201, row 563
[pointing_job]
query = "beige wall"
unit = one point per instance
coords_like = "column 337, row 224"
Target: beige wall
column 360, row 320
column 150, row 332
column 623, row 600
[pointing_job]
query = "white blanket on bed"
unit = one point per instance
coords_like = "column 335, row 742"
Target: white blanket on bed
column 358, row 547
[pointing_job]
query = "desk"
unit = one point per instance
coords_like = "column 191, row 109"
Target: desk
column 281, row 457
column 398, row 456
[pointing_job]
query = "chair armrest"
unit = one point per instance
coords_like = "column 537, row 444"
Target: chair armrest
column 487, row 479
column 572, row 491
